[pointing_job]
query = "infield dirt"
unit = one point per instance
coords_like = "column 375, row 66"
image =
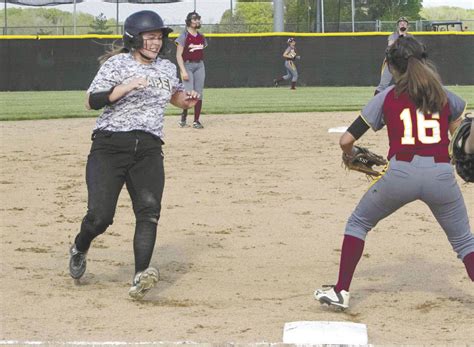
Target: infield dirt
column 252, row 222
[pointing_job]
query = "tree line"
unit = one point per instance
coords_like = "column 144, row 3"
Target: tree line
column 247, row 16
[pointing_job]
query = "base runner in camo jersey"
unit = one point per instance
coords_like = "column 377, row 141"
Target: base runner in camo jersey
column 386, row 78
column 418, row 113
column 189, row 55
column 290, row 55
column 134, row 86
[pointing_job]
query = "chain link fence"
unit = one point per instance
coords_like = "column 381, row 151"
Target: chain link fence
column 369, row 26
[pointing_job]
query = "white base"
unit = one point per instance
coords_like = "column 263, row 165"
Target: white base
column 337, row 130
column 331, row 333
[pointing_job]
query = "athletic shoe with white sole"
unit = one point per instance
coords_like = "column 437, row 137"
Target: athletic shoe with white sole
column 197, row 125
column 77, row 262
column 143, row 282
column 182, row 123
column 327, row 295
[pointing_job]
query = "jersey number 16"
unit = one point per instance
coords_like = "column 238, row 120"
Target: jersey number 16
column 422, row 124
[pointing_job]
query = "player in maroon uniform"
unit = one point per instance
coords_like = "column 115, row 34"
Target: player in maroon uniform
column 190, row 55
column 418, row 113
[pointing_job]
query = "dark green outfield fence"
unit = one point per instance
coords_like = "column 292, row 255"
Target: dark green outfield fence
column 61, row 63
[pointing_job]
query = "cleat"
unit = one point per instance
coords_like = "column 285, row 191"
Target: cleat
column 182, row 123
column 275, row 83
column 197, row 125
column 77, row 262
column 143, row 282
column 328, row 296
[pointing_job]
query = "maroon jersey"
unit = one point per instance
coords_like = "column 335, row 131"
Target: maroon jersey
column 193, row 46
column 411, row 132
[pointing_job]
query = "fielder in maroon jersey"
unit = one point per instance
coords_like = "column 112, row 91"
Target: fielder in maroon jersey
column 418, row 112
column 190, row 58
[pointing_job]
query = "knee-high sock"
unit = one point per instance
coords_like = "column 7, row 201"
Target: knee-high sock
column 143, row 244
column 197, row 110
column 352, row 248
column 469, row 264
column 184, row 114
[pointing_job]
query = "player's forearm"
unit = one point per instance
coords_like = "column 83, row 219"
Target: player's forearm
column 347, row 142
column 179, row 59
column 120, row 91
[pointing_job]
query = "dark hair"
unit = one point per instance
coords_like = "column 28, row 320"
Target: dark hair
column 416, row 75
column 190, row 16
column 114, row 49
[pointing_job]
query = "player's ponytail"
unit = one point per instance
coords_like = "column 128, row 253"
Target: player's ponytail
column 415, row 75
column 114, row 50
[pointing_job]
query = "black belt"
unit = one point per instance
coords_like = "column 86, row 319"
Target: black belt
column 192, row 61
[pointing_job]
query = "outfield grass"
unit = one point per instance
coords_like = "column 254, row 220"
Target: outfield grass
column 70, row 104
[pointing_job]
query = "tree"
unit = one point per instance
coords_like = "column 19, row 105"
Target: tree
column 47, row 20
column 249, row 16
column 391, row 10
column 99, row 25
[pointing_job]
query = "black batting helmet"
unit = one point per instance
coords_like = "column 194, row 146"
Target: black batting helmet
column 140, row 22
column 190, row 16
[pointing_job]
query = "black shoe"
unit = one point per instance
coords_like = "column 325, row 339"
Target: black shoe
column 77, row 262
column 275, row 83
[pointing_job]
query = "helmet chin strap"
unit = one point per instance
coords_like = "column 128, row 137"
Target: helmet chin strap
column 145, row 57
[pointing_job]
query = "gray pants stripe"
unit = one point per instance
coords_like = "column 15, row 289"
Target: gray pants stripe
column 197, row 75
column 421, row 179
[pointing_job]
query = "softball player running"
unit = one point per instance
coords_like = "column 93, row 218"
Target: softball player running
column 134, row 86
column 386, row 78
column 418, row 113
column 190, row 55
column 291, row 72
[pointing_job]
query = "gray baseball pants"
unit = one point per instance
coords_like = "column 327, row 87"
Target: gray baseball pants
column 421, row 179
column 291, row 71
column 197, row 74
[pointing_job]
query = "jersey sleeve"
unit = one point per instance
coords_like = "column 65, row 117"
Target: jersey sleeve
column 107, row 77
column 372, row 113
column 457, row 106
column 392, row 38
column 181, row 40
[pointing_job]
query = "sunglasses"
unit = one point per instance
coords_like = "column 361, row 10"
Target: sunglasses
column 196, row 17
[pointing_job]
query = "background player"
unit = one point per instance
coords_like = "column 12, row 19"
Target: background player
column 290, row 55
column 386, row 78
column 418, row 113
column 190, row 55
column 134, row 85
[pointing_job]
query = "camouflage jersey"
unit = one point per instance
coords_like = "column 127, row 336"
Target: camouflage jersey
column 140, row 109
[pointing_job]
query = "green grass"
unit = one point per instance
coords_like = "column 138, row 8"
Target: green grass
column 70, row 104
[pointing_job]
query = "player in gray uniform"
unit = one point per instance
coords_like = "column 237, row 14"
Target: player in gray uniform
column 386, row 78
column 290, row 55
column 134, row 86
column 419, row 113
column 190, row 57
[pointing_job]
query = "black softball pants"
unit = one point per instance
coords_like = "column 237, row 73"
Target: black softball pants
column 133, row 158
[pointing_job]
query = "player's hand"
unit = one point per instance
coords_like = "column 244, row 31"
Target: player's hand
column 191, row 98
column 192, row 95
column 184, row 76
column 138, row 83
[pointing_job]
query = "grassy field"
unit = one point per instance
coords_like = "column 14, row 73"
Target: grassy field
column 70, row 104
